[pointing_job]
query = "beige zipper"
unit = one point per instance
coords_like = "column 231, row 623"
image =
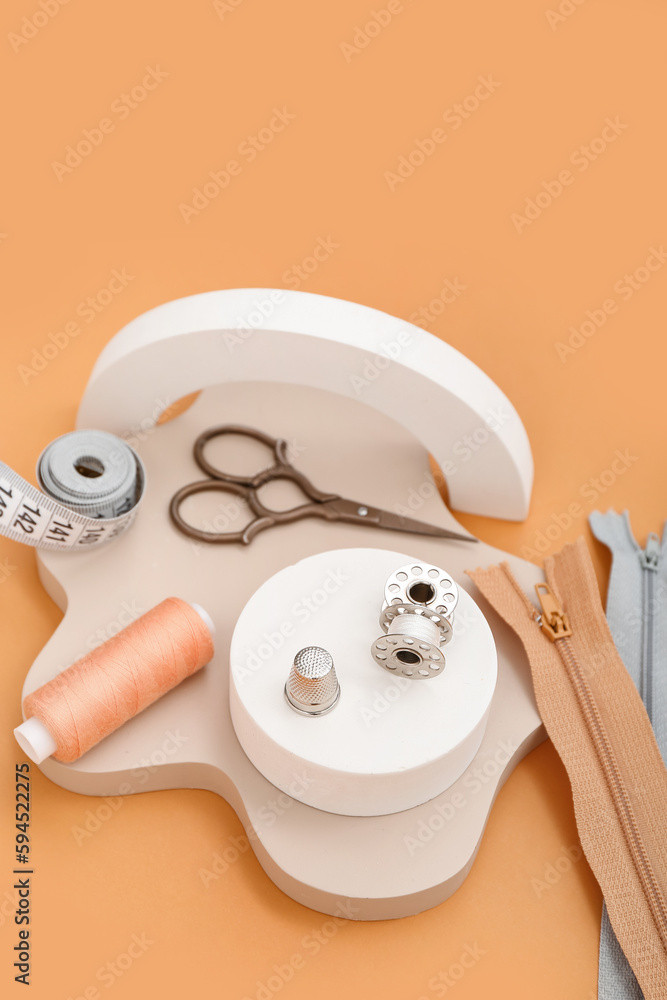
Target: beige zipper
column 599, row 726
column 554, row 623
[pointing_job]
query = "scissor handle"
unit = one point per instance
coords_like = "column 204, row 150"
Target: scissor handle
column 282, row 468
column 217, row 537
column 228, row 477
column 264, row 518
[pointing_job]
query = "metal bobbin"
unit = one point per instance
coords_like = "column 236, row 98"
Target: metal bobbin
column 416, row 618
column 424, row 585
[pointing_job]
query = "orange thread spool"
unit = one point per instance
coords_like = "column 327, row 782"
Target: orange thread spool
column 94, row 696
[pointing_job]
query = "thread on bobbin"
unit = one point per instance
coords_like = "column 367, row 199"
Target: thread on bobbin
column 110, row 685
column 416, row 627
column 411, row 646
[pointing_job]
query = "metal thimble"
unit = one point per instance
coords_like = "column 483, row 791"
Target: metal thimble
column 312, row 687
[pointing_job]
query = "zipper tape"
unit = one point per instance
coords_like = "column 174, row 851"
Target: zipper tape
column 596, row 719
column 637, row 616
column 637, row 610
column 91, row 484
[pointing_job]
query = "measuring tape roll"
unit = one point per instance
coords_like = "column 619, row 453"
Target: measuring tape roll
column 92, row 485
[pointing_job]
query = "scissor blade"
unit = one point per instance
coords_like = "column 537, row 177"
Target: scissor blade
column 348, row 510
column 394, row 522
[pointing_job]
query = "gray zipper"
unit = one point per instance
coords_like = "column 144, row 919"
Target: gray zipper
column 649, row 559
column 637, row 616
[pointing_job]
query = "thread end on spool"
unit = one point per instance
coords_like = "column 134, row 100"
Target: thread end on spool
column 35, row 740
column 205, row 617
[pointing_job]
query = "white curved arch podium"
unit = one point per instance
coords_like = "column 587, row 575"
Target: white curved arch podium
column 272, row 335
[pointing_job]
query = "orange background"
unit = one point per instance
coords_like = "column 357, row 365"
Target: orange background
column 228, row 67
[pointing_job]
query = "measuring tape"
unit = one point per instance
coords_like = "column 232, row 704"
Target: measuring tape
column 91, row 485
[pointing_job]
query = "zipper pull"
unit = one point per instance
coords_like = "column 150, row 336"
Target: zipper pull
column 649, row 556
column 553, row 621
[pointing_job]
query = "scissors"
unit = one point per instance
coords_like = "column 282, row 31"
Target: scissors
column 329, row 506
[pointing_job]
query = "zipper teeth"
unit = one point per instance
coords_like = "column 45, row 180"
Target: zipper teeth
column 619, row 792
column 647, row 642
